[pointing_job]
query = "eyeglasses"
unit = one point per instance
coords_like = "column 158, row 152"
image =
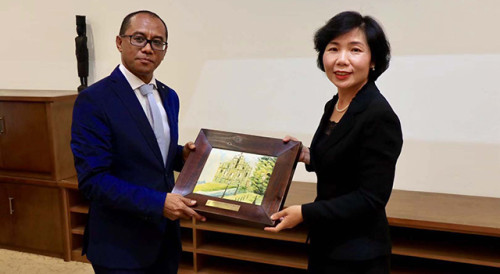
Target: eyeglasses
column 139, row 40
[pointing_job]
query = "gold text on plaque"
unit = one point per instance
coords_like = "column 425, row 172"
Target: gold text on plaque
column 223, row 205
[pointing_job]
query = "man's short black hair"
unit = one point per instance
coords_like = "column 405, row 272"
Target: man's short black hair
column 126, row 21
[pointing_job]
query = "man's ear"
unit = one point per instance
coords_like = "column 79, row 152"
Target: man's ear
column 119, row 41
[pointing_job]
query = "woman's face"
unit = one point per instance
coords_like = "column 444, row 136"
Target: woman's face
column 347, row 61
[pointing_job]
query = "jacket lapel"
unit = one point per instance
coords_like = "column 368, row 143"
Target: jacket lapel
column 342, row 128
column 123, row 90
column 170, row 109
column 359, row 103
column 324, row 118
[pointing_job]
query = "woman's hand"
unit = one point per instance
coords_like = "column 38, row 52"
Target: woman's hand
column 289, row 217
column 304, row 153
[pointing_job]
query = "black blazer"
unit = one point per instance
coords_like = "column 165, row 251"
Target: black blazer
column 355, row 170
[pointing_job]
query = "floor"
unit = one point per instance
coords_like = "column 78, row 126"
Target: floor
column 14, row 262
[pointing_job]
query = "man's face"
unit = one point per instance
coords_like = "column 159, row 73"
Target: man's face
column 142, row 62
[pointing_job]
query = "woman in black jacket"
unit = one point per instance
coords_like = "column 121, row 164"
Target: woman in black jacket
column 353, row 153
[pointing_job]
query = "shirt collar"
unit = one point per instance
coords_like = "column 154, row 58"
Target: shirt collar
column 133, row 80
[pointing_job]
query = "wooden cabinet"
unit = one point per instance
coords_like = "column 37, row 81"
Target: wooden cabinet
column 6, row 220
column 35, row 133
column 35, row 154
column 22, row 151
column 31, row 218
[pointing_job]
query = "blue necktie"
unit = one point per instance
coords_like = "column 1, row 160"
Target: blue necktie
column 157, row 123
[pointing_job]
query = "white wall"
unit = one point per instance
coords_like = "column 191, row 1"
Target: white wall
column 227, row 58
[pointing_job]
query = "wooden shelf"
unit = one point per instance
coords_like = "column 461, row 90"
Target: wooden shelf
column 453, row 247
column 37, row 95
column 415, row 265
column 186, row 223
column 445, row 212
column 185, row 268
column 215, row 265
column 187, row 239
column 76, row 255
column 78, row 230
column 70, row 183
column 187, row 246
column 84, row 209
column 296, row 235
column 253, row 249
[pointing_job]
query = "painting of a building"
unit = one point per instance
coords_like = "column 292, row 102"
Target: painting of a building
column 235, row 176
column 234, row 172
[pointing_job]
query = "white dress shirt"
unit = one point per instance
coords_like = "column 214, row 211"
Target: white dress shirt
column 135, row 83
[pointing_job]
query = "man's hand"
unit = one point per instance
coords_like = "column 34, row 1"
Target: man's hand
column 304, row 153
column 188, row 147
column 176, row 206
column 289, row 217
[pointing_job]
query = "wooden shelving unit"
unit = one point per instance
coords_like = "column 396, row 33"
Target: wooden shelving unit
column 34, row 156
column 206, row 244
column 77, row 214
column 446, row 228
column 213, row 265
column 251, row 249
column 430, row 234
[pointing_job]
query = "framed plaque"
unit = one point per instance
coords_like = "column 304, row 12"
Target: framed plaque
column 237, row 176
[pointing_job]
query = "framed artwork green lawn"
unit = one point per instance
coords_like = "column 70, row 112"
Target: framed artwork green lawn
column 238, row 176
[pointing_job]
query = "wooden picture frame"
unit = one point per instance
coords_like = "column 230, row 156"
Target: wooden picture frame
column 258, row 206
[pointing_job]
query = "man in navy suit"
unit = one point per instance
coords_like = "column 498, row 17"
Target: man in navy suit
column 125, row 165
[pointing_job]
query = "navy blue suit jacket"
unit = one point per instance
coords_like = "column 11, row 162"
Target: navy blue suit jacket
column 121, row 172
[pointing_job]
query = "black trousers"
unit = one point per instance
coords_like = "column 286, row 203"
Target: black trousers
column 379, row 265
column 165, row 264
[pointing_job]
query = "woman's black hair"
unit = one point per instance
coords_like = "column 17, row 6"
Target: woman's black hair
column 343, row 23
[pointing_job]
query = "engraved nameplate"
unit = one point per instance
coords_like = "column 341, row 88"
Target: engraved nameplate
column 223, row 205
